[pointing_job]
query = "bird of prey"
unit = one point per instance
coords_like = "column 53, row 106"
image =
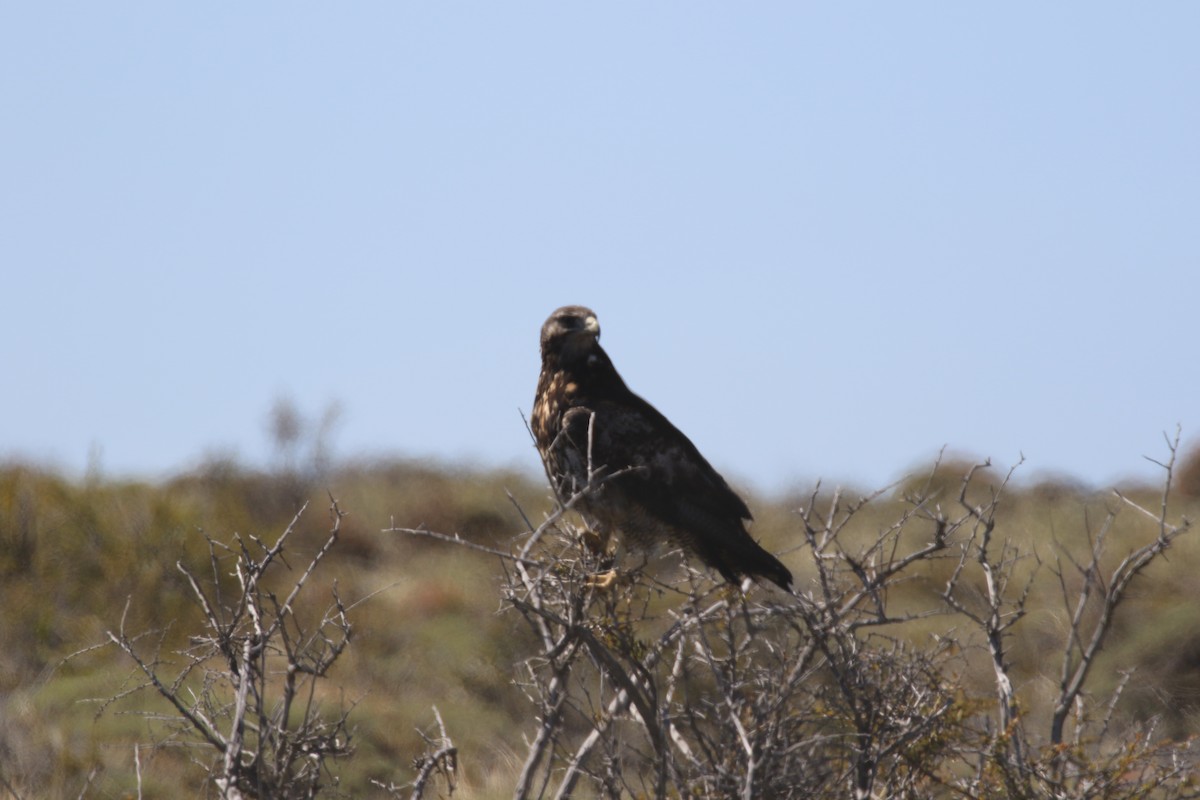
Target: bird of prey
column 648, row 481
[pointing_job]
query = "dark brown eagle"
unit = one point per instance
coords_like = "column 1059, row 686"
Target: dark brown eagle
column 650, row 482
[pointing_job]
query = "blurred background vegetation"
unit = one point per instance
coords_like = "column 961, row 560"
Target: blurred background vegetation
column 75, row 552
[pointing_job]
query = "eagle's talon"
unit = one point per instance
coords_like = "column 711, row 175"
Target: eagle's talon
column 602, row 581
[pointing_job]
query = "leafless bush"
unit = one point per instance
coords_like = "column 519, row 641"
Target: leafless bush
column 657, row 686
column 697, row 690
column 243, row 692
column 1079, row 754
column 691, row 689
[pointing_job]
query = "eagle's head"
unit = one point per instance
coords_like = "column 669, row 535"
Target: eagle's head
column 570, row 334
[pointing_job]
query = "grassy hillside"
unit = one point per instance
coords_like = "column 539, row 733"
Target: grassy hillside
column 76, row 557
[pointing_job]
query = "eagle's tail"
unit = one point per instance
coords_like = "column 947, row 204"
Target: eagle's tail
column 751, row 559
column 771, row 568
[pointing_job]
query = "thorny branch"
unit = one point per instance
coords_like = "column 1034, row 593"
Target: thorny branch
column 243, row 709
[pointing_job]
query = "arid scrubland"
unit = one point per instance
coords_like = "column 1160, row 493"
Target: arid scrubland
column 398, row 629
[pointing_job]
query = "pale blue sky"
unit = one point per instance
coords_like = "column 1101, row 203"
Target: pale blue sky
column 825, row 240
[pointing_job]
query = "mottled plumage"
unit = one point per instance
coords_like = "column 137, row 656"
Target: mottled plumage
column 657, row 488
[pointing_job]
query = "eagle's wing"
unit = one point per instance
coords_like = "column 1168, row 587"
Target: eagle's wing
column 659, row 461
column 661, row 473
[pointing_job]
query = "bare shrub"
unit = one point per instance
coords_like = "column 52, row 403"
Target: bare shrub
column 245, row 693
column 859, row 687
column 1079, row 753
column 889, row 675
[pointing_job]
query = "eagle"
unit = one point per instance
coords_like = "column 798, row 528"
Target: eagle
column 645, row 479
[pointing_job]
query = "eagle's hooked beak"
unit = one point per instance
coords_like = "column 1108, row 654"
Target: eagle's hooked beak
column 592, row 325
